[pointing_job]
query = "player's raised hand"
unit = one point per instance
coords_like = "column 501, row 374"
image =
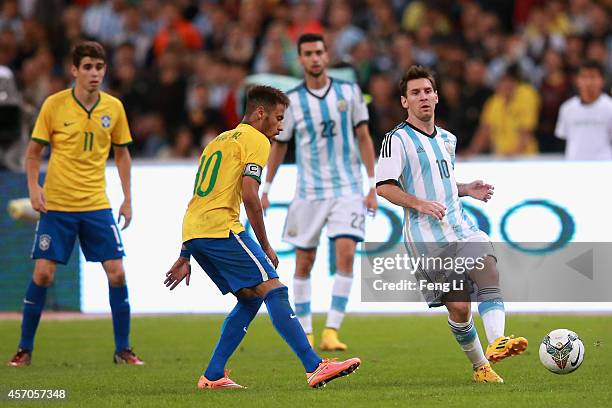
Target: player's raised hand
column 37, row 198
column 179, row 271
column 371, row 203
column 265, row 202
column 480, row 190
column 433, row 208
column 125, row 211
column 271, row 256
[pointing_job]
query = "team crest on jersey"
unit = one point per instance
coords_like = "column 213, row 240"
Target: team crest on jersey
column 342, row 105
column 449, row 146
column 106, row 121
column 44, row 242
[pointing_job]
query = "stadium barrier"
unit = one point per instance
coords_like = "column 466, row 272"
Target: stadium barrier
column 546, row 202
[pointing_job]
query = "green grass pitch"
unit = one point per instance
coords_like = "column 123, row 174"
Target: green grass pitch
column 407, row 361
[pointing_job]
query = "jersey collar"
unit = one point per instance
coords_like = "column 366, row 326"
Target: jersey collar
column 89, row 112
column 242, row 125
column 431, row 136
column 329, row 86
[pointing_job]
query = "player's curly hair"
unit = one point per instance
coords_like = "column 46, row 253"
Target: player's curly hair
column 266, row 96
column 416, row 72
column 91, row 49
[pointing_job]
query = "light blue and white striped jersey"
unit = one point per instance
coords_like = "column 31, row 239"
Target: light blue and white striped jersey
column 423, row 166
column 327, row 154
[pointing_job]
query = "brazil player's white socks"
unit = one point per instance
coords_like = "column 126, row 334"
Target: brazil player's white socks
column 301, row 295
column 340, row 294
column 467, row 337
column 492, row 312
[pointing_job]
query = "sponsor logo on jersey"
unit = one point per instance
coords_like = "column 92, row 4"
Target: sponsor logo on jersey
column 420, row 149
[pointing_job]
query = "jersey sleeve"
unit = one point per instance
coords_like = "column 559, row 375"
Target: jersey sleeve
column 43, row 129
column 530, row 108
column 288, row 127
column 486, row 117
column 452, row 141
column 560, row 128
column 120, row 135
column 256, row 153
column 359, row 108
column 392, row 160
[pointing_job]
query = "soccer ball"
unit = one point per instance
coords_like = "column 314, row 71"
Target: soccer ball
column 561, row 351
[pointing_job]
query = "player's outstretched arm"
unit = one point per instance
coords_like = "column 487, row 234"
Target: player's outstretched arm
column 254, row 211
column 366, row 148
column 476, row 189
column 277, row 155
column 32, row 164
column 124, row 166
column 395, row 195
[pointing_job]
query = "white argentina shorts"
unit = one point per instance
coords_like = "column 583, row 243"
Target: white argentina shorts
column 344, row 217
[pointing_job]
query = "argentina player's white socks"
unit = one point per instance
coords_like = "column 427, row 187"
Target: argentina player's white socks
column 492, row 311
column 301, row 296
column 467, row 337
column 340, row 294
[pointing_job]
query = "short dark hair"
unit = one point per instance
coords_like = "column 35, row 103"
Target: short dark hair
column 308, row 38
column 513, row 72
column 591, row 64
column 417, row 72
column 266, row 96
column 90, row 49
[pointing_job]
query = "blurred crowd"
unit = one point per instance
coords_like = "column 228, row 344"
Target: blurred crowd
column 179, row 66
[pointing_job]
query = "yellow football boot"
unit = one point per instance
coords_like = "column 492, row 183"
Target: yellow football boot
column 485, row 374
column 330, row 342
column 505, row 346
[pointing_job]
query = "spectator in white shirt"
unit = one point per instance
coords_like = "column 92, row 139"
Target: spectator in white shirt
column 585, row 120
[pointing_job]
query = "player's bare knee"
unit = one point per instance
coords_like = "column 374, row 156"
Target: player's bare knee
column 114, row 272
column 304, row 260
column 345, row 254
column 44, row 272
column 488, row 275
column 345, row 264
column 246, row 294
column 459, row 311
column 264, row 288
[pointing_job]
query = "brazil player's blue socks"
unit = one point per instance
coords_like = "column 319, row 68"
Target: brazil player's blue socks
column 287, row 325
column 120, row 308
column 492, row 312
column 232, row 332
column 33, row 305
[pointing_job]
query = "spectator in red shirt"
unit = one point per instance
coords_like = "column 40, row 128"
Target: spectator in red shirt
column 176, row 29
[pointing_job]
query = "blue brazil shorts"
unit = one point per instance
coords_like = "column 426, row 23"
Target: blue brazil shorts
column 232, row 263
column 98, row 234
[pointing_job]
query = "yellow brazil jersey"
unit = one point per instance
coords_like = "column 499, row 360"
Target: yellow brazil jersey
column 80, row 143
column 506, row 119
column 214, row 209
